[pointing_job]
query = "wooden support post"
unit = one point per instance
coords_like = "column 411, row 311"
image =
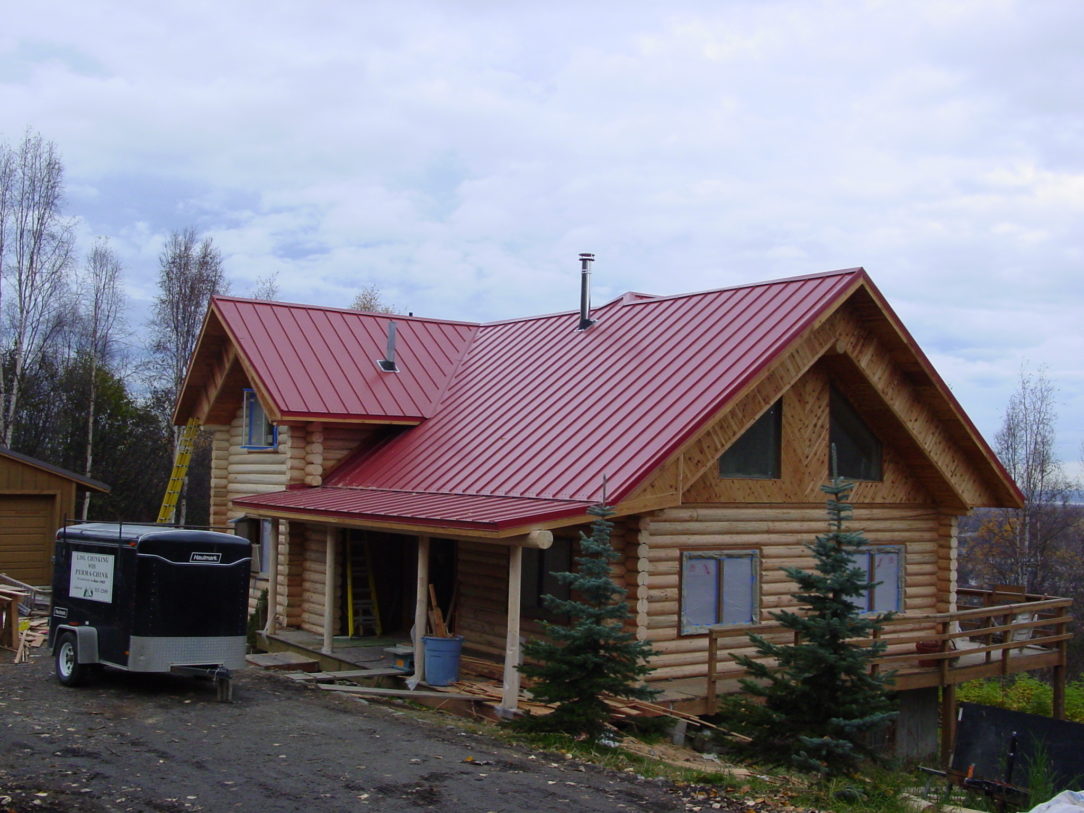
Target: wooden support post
column 421, row 611
column 713, row 668
column 510, row 691
column 272, row 579
column 948, row 723
column 330, row 580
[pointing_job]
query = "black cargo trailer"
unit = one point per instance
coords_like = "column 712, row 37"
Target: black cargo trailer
column 145, row 598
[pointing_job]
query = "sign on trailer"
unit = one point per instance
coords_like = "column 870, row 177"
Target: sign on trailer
column 92, row 576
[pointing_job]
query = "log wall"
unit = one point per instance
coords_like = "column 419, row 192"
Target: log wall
column 482, row 603
column 314, row 579
column 779, row 533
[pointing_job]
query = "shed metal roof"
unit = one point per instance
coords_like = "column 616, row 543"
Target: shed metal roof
column 34, row 462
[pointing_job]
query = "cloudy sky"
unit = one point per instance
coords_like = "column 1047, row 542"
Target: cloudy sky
column 459, row 155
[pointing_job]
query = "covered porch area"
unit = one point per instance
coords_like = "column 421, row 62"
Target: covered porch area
column 314, row 606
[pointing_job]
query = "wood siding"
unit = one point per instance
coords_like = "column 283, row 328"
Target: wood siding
column 33, row 505
column 804, row 465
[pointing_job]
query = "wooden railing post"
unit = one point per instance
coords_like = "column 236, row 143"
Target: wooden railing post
column 713, row 654
column 1059, row 673
column 875, row 667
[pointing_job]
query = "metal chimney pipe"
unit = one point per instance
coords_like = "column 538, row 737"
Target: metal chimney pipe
column 387, row 364
column 390, row 354
column 585, row 291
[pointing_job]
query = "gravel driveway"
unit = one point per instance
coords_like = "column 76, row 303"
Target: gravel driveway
column 162, row 743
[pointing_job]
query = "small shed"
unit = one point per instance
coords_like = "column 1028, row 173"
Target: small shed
column 35, row 499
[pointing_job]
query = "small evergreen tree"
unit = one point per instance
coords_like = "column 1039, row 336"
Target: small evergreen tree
column 592, row 655
column 819, row 698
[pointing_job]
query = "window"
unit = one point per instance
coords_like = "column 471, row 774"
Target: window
column 883, row 567
column 756, row 453
column 538, row 579
column 718, row 587
column 265, row 546
column 259, row 432
column 258, row 533
column 858, row 451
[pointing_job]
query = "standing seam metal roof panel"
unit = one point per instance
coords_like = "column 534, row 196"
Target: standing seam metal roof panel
column 539, row 409
column 321, row 362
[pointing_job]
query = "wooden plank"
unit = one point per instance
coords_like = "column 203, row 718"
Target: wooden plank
column 405, row 694
column 345, row 674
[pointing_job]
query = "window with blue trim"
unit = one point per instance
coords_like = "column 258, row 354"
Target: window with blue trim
column 718, row 587
column 883, row 566
column 259, row 431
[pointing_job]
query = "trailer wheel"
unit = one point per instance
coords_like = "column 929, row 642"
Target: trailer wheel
column 68, row 669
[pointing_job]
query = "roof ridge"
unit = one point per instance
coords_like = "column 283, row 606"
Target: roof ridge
column 333, row 309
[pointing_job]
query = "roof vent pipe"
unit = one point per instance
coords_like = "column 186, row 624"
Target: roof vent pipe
column 387, row 364
column 585, row 291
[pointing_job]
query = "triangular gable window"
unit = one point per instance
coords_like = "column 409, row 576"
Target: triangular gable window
column 756, row 453
column 858, row 451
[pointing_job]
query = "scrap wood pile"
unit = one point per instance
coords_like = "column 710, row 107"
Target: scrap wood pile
column 489, row 689
column 20, row 636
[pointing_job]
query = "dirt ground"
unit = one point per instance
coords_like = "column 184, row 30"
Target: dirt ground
column 130, row 742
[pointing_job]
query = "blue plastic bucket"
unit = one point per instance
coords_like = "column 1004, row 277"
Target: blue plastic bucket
column 442, row 659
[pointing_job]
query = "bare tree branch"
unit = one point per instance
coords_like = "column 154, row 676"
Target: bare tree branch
column 37, row 251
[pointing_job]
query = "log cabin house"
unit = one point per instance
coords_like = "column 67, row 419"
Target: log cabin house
column 396, row 452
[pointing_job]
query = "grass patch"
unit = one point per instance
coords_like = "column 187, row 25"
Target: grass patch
column 1024, row 693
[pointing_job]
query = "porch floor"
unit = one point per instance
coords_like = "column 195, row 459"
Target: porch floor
column 346, row 653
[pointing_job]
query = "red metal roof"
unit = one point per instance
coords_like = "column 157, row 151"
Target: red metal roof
column 538, row 409
column 522, row 420
column 477, row 512
column 320, row 363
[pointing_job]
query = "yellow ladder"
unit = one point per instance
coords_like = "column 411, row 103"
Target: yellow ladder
column 180, row 471
column 363, row 608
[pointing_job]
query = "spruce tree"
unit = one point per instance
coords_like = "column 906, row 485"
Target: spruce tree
column 576, row 663
column 819, row 699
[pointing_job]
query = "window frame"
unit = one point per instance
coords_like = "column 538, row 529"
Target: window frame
column 867, row 602
column 774, row 415
column 753, row 555
column 251, row 410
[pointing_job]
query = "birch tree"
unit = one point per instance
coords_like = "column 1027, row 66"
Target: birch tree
column 35, row 259
column 1029, row 546
column 190, row 274
column 101, row 306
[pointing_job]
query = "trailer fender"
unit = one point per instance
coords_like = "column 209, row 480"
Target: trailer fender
column 86, row 641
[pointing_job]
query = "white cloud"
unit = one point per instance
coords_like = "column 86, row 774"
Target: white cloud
column 460, row 155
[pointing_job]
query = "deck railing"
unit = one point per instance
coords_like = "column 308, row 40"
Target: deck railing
column 1009, row 630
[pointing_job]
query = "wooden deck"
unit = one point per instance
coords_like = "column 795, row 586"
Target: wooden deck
column 994, row 633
